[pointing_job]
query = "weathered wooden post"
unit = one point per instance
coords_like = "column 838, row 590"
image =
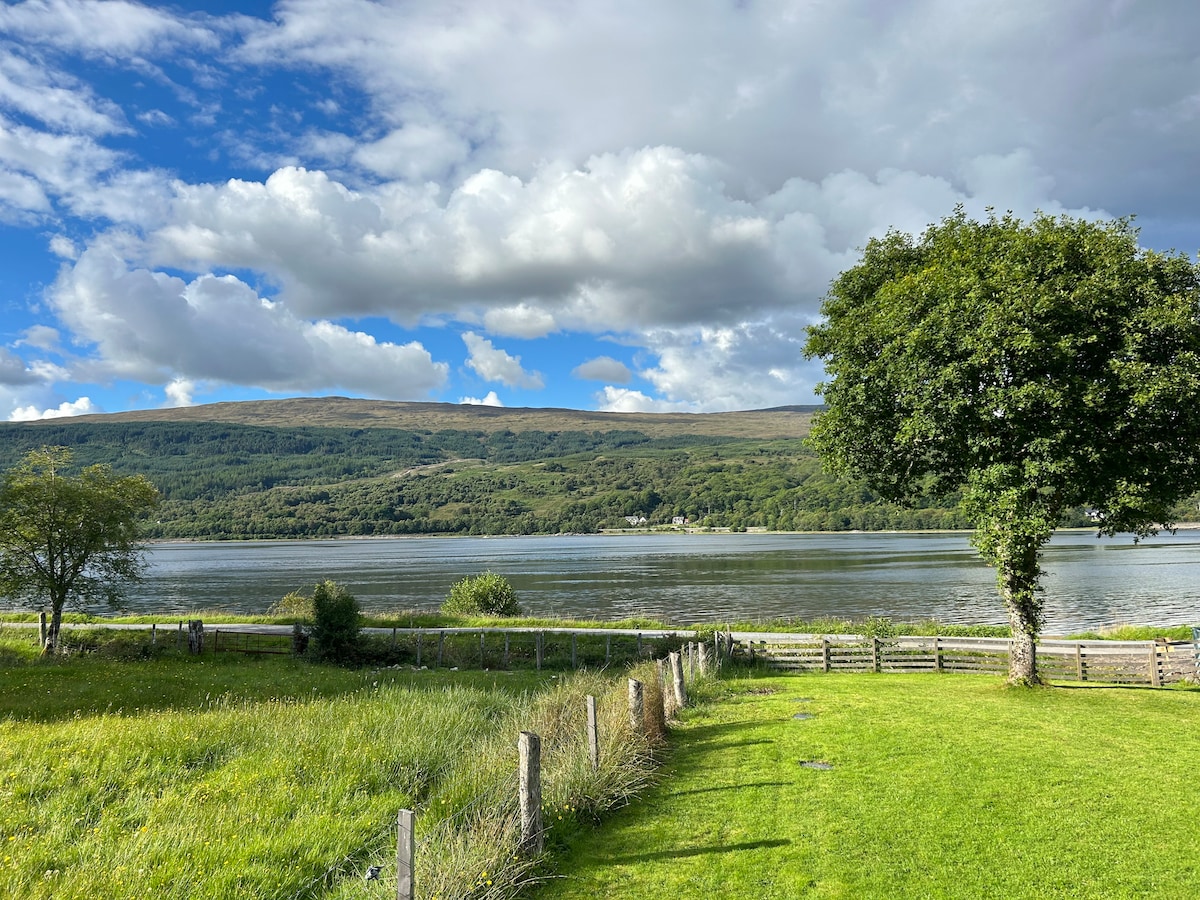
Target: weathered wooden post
column 607, row 649
column 1155, row 675
column 539, row 644
column 506, row 649
column 195, row 637
column 691, row 661
column 481, row 657
column 393, row 637
column 574, row 651
column 43, row 628
column 298, row 640
column 677, row 677
column 405, row 848
column 179, row 635
column 937, row 653
column 593, row 734
column 824, row 654
column 419, row 636
column 153, row 634
column 875, row 661
column 702, row 656
column 639, row 645
column 666, row 689
column 1079, row 673
column 530, row 747
column 441, row 648
column 637, row 706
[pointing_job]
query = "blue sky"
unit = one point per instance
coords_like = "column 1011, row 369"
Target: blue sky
column 617, row 205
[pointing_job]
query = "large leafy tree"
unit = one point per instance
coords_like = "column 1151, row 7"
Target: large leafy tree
column 1034, row 366
column 69, row 537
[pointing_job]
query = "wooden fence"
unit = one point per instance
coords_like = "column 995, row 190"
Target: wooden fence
column 1114, row 662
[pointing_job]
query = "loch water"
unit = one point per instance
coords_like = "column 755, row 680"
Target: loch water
column 1090, row 582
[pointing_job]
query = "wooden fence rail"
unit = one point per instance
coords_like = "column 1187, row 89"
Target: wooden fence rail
column 1113, row 662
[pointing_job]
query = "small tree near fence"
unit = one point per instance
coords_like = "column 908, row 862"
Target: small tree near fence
column 336, row 624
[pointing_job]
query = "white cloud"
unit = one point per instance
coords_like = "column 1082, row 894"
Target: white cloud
column 603, row 368
column 180, row 392
column 113, row 28
column 43, row 337
column 157, row 328
column 613, row 399
column 492, row 399
column 81, row 407
column 493, row 364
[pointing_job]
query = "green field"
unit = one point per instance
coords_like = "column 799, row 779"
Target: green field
column 938, row 786
column 273, row 778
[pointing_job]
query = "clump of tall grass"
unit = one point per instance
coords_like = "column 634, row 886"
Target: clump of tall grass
column 468, row 830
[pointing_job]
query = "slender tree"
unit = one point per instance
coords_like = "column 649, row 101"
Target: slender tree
column 1036, row 367
column 68, row 538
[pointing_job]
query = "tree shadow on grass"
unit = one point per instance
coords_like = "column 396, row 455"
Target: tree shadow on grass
column 685, row 852
column 727, row 787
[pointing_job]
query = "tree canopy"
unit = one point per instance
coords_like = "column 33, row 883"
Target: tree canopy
column 68, row 537
column 1036, row 367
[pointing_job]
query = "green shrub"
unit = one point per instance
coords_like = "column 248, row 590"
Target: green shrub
column 488, row 594
column 336, row 623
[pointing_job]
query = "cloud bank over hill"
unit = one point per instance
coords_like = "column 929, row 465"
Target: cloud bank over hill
column 616, row 206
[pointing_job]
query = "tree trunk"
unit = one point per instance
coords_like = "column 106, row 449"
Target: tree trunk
column 51, row 645
column 1019, row 576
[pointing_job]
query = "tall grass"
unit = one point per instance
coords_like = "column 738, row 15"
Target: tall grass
column 244, row 794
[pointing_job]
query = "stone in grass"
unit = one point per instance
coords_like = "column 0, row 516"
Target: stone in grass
column 804, row 699
column 816, row 764
column 803, row 716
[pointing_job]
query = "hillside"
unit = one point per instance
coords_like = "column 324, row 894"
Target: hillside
column 341, row 412
column 333, row 466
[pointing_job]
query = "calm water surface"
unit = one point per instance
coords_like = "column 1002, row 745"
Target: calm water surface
column 1090, row 582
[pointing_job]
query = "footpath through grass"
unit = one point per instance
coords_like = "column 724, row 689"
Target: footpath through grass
column 937, row 786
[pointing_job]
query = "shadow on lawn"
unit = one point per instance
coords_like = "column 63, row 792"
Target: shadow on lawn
column 727, row 787
column 685, row 852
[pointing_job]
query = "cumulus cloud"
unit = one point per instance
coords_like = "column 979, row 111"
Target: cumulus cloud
column 493, row 364
column 603, row 368
column 81, row 407
column 179, row 392
column 111, row 28
column 158, row 328
column 492, row 399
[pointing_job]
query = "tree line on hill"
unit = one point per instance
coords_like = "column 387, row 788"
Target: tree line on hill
column 224, row 481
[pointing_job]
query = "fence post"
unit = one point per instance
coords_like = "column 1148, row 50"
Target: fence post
column 405, row 889
column 702, row 656
column 607, row 649
column 677, row 677
column 637, row 707
column 195, row 637
column 1155, row 676
column 44, row 630
column 153, row 634
column 824, row 654
column 937, row 653
column 530, row 747
column 639, row 645
column 179, row 635
column 1079, row 673
column 875, row 661
column 441, row 648
column 481, row 665
column 506, row 653
column 574, row 651
column 666, row 690
column 419, row 636
column 540, row 643
column 593, row 734
column 298, row 642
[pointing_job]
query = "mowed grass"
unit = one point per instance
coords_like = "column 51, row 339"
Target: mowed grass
column 939, row 786
column 222, row 778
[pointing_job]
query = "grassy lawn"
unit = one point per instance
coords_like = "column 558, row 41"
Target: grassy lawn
column 938, row 786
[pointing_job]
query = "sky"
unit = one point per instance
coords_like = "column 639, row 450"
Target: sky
column 592, row 204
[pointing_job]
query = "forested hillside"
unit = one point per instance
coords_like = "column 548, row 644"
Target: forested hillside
column 228, row 479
